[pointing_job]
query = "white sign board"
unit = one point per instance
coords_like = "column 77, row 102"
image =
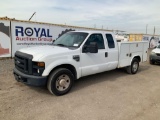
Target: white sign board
column 5, row 41
column 33, row 34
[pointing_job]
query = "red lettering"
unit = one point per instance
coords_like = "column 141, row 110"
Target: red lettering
column 39, row 39
column 17, row 38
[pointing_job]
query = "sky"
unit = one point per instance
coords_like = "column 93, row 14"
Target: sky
column 131, row 16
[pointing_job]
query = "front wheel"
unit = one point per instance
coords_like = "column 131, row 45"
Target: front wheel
column 133, row 68
column 151, row 62
column 60, row 81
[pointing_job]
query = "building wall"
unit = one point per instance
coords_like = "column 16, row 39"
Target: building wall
column 135, row 37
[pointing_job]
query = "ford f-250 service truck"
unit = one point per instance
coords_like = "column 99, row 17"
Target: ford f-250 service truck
column 74, row 55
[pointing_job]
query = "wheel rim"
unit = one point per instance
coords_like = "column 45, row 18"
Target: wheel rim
column 135, row 66
column 63, row 82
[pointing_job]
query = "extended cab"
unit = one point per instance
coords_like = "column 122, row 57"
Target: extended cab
column 74, row 55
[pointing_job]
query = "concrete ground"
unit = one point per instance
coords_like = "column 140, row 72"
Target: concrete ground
column 113, row 95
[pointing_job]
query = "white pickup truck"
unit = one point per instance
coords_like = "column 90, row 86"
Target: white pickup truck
column 74, row 55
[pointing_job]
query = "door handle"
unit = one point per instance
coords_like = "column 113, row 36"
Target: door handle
column 130, row 54
column 106, row 54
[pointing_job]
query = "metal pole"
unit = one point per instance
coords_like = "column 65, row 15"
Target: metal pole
column 154, row 30
column 32, row 16
column 146, row 28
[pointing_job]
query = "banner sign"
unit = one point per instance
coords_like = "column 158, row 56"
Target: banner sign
column 33, row 34
column 5, row 40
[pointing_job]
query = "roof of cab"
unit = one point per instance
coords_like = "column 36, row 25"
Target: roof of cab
column 92, row 31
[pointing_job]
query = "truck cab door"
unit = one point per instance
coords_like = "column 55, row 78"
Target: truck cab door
column 92, row 63
column 112, row 59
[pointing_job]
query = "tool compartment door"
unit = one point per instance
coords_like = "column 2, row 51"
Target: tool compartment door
column 124, row 50
column 145, row 51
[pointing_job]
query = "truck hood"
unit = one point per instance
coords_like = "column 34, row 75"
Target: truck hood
column 42, row 51
column 156, row 50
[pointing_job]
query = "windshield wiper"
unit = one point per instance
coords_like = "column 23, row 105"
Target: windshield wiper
column 61, row 45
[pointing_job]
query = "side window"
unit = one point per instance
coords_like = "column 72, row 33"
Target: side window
column 110, row 41
column 98, row 38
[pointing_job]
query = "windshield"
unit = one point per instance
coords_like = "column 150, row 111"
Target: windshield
column 158, row 46
column 71, row 39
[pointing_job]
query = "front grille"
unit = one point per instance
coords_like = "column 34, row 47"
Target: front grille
column 158, row 54
column 157, row 60
column 23, row 62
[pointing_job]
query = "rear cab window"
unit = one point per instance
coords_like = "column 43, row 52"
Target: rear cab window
column 110, row 41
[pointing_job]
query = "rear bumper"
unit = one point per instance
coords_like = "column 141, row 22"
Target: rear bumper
column 29, row 79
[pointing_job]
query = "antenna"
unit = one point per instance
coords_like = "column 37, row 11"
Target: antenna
column 32, row 16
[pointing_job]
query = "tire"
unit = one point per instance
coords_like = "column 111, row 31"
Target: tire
column 60, row 81
column 133, row 68
column 151, row 62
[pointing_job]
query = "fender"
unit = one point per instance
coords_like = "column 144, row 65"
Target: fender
column 136, row 55
column 55, row 63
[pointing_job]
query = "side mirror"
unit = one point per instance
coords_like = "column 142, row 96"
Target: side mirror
column 53, row 42
column 91, row 48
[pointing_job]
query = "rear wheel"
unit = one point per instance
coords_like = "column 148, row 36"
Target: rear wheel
column 60, row 81
column 133, row 68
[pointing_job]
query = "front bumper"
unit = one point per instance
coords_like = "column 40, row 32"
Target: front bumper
column 29, row 79
column 154, row 58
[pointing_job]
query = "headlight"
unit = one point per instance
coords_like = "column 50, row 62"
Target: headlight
column 38, row 68
column 41, row 64
column 153, row 53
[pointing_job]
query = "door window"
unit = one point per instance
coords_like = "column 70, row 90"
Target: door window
column 98, row 38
